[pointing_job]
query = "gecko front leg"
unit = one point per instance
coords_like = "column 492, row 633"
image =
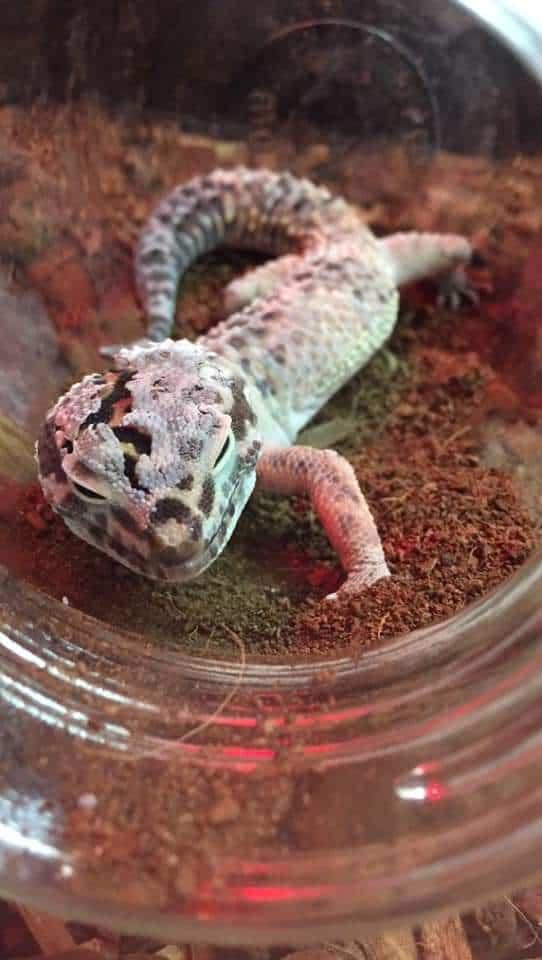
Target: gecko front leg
column 332, row 486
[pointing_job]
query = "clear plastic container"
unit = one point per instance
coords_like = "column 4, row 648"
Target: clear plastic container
column 298, row 799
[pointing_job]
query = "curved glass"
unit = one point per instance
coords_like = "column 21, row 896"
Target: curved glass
column 291, row 799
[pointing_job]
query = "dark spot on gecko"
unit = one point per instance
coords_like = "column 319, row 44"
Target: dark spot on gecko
column 193, row 231
column 301, row 467
column 237, row 342
column 241, row 412
column 279, row 355
column 207, row 497
column 185, row 245
column 96, row 533
column 264, row 387
column 99, row 519
column 125, row 519
column 217, row 539
column 346, row 523
column 105, row 410
column 231, row 509
column 208, row 184
column 162, row 276
column 344, row 493
column 196, row 529
column 299, row 204
column 170, row 509
column 252, row 454
column 139, row 440
column 153, row 258
column 48, row 453
column 190, row 448
column 186, row 483
column 285, row 183
column 246, row 460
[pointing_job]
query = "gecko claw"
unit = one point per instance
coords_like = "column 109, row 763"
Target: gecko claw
column 455, row 289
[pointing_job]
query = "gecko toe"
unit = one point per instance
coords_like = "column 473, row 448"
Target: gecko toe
column 455, row 290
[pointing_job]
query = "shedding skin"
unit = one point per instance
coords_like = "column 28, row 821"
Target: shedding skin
column 154, row 461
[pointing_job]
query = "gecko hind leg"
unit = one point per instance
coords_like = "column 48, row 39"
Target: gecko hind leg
column 413, row 256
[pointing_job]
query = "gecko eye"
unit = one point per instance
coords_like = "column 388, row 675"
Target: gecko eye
column 223, row 451
column 85, row 493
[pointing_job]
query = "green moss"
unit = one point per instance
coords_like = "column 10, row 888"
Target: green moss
column 237, row 597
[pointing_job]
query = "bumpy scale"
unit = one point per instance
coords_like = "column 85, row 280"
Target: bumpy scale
column 154, row 461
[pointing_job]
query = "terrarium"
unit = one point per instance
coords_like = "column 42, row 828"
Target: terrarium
column 234, row 759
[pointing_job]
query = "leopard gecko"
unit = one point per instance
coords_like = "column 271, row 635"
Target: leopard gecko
column 154, row 461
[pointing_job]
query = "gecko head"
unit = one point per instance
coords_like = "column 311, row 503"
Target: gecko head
column 154, row 462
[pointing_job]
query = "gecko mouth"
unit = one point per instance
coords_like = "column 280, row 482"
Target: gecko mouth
column 168, row 563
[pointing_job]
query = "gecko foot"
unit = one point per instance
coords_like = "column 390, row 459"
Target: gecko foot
column 455, row 289
column 358, row 581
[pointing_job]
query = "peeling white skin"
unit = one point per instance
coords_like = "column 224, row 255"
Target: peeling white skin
column 154, row 462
